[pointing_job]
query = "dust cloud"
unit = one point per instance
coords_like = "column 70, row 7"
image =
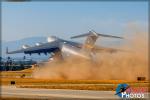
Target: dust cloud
column 126, row 65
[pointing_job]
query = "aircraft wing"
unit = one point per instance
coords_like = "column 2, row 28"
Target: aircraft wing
column 13, row 52
column 106, row 49
column 43, row 48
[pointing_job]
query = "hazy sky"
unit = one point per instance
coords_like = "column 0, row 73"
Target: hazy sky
column 64, row 19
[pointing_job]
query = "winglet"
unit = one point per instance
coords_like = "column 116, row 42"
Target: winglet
column 7, row 50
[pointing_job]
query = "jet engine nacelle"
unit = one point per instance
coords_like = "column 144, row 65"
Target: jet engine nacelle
column 71, row 51
column 25, row 46
column 51, row 38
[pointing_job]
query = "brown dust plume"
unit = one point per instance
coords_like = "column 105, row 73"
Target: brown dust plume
column 109, row 66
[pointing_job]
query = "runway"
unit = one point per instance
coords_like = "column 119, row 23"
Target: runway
column 60, row 94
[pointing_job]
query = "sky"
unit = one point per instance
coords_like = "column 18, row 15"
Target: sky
column 65, row 19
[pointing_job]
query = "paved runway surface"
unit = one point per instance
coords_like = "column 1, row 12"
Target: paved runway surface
column 60, row 94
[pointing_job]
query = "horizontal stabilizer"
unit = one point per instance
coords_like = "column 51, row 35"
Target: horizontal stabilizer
column 82, row 35
column 93, row 33
column 111, row 36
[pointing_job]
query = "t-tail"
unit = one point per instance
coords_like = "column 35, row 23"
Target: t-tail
column 92, row 36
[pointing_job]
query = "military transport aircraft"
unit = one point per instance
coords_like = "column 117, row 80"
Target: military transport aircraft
column 59, row 48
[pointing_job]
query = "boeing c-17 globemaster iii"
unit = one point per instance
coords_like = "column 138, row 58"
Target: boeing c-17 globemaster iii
column 60, row 48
